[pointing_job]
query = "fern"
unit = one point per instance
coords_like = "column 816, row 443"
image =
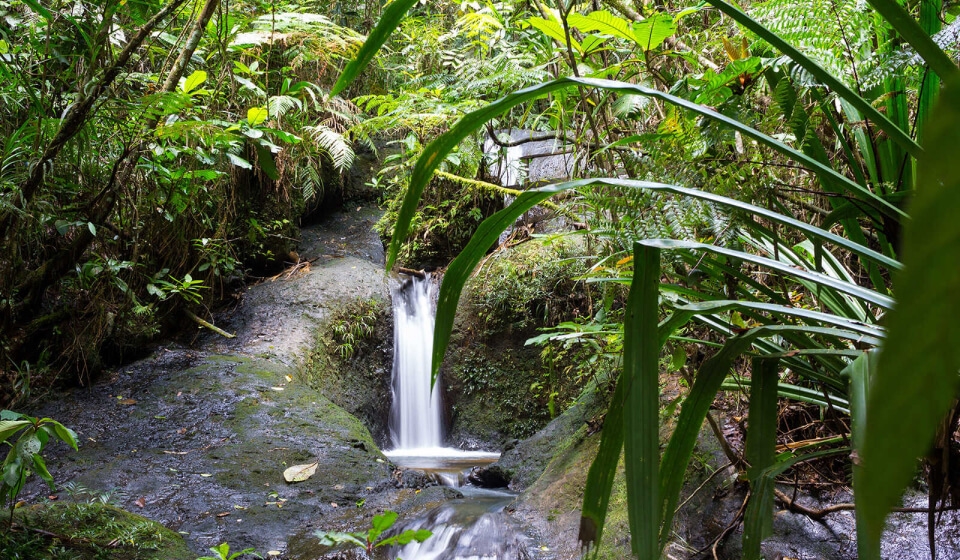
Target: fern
column 278, row 105
column 334, row 145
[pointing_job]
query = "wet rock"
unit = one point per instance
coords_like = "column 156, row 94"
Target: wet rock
column 522, row 463
column 412, row 478
column 490, row 476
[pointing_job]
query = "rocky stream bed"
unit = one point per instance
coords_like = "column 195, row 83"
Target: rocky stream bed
column 196, row 437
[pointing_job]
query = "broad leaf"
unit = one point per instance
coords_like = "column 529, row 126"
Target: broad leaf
column 10, row 427
column 256, row 115
column 916, row 379
column 552, row 28
column 604, row 22
column 267, row 165
column 652, row 32
column 193, row 81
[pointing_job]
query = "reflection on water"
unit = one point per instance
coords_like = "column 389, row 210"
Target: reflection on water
column 473, row 528
column 476, row 527
column 447, row 466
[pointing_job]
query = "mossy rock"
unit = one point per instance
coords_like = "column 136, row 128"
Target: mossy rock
column 94, row 531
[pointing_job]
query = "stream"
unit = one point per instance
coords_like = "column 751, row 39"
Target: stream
column 197, row 437
column 475, row 526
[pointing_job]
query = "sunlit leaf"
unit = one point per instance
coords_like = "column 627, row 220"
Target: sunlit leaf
column 257, row 115
column 193, row 81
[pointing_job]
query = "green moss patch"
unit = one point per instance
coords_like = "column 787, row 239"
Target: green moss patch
column 88, row 531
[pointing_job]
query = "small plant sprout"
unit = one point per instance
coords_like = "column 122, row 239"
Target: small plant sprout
column 370, row 539
column 24, row 455
column 222, row 552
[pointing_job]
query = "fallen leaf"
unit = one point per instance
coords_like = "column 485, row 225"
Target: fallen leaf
column 206, row 475
column 289, row 379
column 223, row 514
column 238, row 507
column 333, row 504
column 182, row 431
column 273, row 553
column 128, row 402
column 299, row 473
column 176, row 452
column 277, row 388
column 141, row 501
column 53, row 497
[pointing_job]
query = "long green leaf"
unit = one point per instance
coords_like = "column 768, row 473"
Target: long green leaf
column 822, row 279
column 462, row 267
column 641, row 353
column 709, row 378
column 388, row 22
column 673, row 466
column 810, row 230
column 893, row 131
column 863, row 330
column 910, row 30
column 801, row 394
column 437, row 150
column 596, row 494
column 859, row 374
column 759, row 451
column 916, row 380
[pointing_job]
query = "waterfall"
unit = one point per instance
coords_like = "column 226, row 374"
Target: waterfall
column 415, row 415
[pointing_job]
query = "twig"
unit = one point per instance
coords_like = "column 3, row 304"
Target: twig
column 712, row 545
column 210, row 326
column 819, row 514
column 411, row 272
column 699, row 488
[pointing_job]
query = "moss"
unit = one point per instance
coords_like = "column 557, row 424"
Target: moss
column 82, row 531
column 357, row 380
column 488, row 387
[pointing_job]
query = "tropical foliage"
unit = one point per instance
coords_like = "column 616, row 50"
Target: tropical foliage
column 147, row 164
column 778, row 230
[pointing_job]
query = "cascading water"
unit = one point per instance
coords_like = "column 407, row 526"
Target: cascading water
column 416, row 421
column 475, row 527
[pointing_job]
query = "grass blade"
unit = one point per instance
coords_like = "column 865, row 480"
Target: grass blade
column 388, row 22
column 760, row 453
column 596, row 495
column 436, row 151
column 903, row 411
column 821, row 279
column 462, row 267
column 641, row 353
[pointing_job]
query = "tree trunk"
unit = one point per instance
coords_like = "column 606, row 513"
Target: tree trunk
column 191, row 46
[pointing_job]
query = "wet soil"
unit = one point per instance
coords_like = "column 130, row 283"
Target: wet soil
column 198, row 437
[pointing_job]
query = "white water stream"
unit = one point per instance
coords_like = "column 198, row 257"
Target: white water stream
column 416, row 419
column 472, row 528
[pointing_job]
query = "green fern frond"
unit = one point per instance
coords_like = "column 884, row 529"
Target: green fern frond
column 278, row 105
column 334, row 144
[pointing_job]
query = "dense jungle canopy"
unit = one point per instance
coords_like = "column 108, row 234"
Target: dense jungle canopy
column 762, row 195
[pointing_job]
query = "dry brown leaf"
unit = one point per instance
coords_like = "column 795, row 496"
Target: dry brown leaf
column 128, row 402
column 141, row 501
column 299, row 473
